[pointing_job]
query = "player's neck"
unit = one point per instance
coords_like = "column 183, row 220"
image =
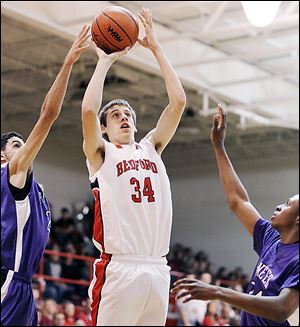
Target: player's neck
column 130, row 142
column 289, row 237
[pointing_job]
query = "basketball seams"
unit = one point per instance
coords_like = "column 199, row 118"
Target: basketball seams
column 118, row 26
column 134, row 20
column 105, row 36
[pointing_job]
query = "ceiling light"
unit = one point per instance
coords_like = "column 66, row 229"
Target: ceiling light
column 260, row 13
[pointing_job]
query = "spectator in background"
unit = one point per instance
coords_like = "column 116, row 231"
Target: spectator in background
column 229, row 315
column 69, row 311
column 48, row 310
column 59, row 319
column 212, row 318
column 63, row 228
column 53, row 268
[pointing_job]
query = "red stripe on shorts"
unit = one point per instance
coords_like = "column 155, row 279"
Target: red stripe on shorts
column 100, row 269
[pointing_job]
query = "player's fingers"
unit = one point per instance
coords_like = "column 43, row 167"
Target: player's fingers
column 188, row 299
column 84, row 47
column 221, row 114
column 183, row 281
column 143, row 20
column 84, row 30
column 182, row 295
column 86, row 37
column 215, row 121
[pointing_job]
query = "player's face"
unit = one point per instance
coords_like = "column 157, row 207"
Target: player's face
column 12, row 146
column 286, row 215
column 120, row 126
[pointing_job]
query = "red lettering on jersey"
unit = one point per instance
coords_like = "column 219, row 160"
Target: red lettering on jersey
column 119, row 169
column 142, row 163
column 132, row 164
column 137, row 163
column 147, row 164
column 154, row 167
column 126, row 166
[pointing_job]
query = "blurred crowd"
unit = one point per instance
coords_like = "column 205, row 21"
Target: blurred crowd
column 67, row 304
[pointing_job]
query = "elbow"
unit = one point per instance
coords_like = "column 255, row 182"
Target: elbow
column 233, row 203
column 281, row 314
column 87, row 112
column 279, row 318
column 181, row 100
column 49, row 115
column 278, row 313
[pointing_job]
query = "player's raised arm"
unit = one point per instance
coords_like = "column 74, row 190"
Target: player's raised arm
column 93, row 142
column 170, row 118
column 24, row 157
column 236, row 194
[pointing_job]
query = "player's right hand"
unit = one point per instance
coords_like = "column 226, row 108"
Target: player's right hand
column 109, row 57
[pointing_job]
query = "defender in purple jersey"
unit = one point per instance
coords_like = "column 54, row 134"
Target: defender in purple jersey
column 25, row 212
column 273, row 292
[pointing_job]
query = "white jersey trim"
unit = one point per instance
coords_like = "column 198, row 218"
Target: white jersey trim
column 23, row 213
column 5, row 286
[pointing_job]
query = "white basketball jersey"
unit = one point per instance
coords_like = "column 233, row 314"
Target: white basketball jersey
column 133, row 207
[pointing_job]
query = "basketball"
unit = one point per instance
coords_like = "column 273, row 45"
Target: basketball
column 114, row 29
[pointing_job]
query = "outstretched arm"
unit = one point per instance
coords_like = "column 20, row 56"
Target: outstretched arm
column 277, row 308
column 22, row 161
column 236, row 194
column 91, row 103
column 170, row 118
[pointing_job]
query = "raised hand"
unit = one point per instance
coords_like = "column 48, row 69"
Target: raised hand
column 78, row 45
column 149, row 40
column 219, row 127
column 109, row 57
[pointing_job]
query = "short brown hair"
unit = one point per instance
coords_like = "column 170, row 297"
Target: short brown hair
column 118, row 102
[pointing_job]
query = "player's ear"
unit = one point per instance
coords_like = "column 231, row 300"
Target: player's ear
column 103, row 129
column 135, row 129
column 3, row 157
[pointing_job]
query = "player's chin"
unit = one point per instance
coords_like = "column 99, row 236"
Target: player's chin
column 274, row 223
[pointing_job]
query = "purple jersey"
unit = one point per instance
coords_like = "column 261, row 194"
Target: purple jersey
column 277, row 268
column 25, row 226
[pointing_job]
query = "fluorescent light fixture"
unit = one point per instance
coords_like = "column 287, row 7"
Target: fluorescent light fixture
column 260, row 13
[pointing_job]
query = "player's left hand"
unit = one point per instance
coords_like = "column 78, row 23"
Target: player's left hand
column 78, row 45
column 218, row 130
column 149, row 40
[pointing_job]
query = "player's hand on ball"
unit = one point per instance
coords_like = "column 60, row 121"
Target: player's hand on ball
column 110, row 57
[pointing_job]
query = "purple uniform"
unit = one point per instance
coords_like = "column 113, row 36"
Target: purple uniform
column 277, row 268
column 25, row 226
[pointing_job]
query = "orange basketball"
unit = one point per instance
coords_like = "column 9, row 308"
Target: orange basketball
column 114, row 29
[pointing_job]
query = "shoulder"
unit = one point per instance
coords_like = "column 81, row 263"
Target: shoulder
column 147, row 144
column 264, row 228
